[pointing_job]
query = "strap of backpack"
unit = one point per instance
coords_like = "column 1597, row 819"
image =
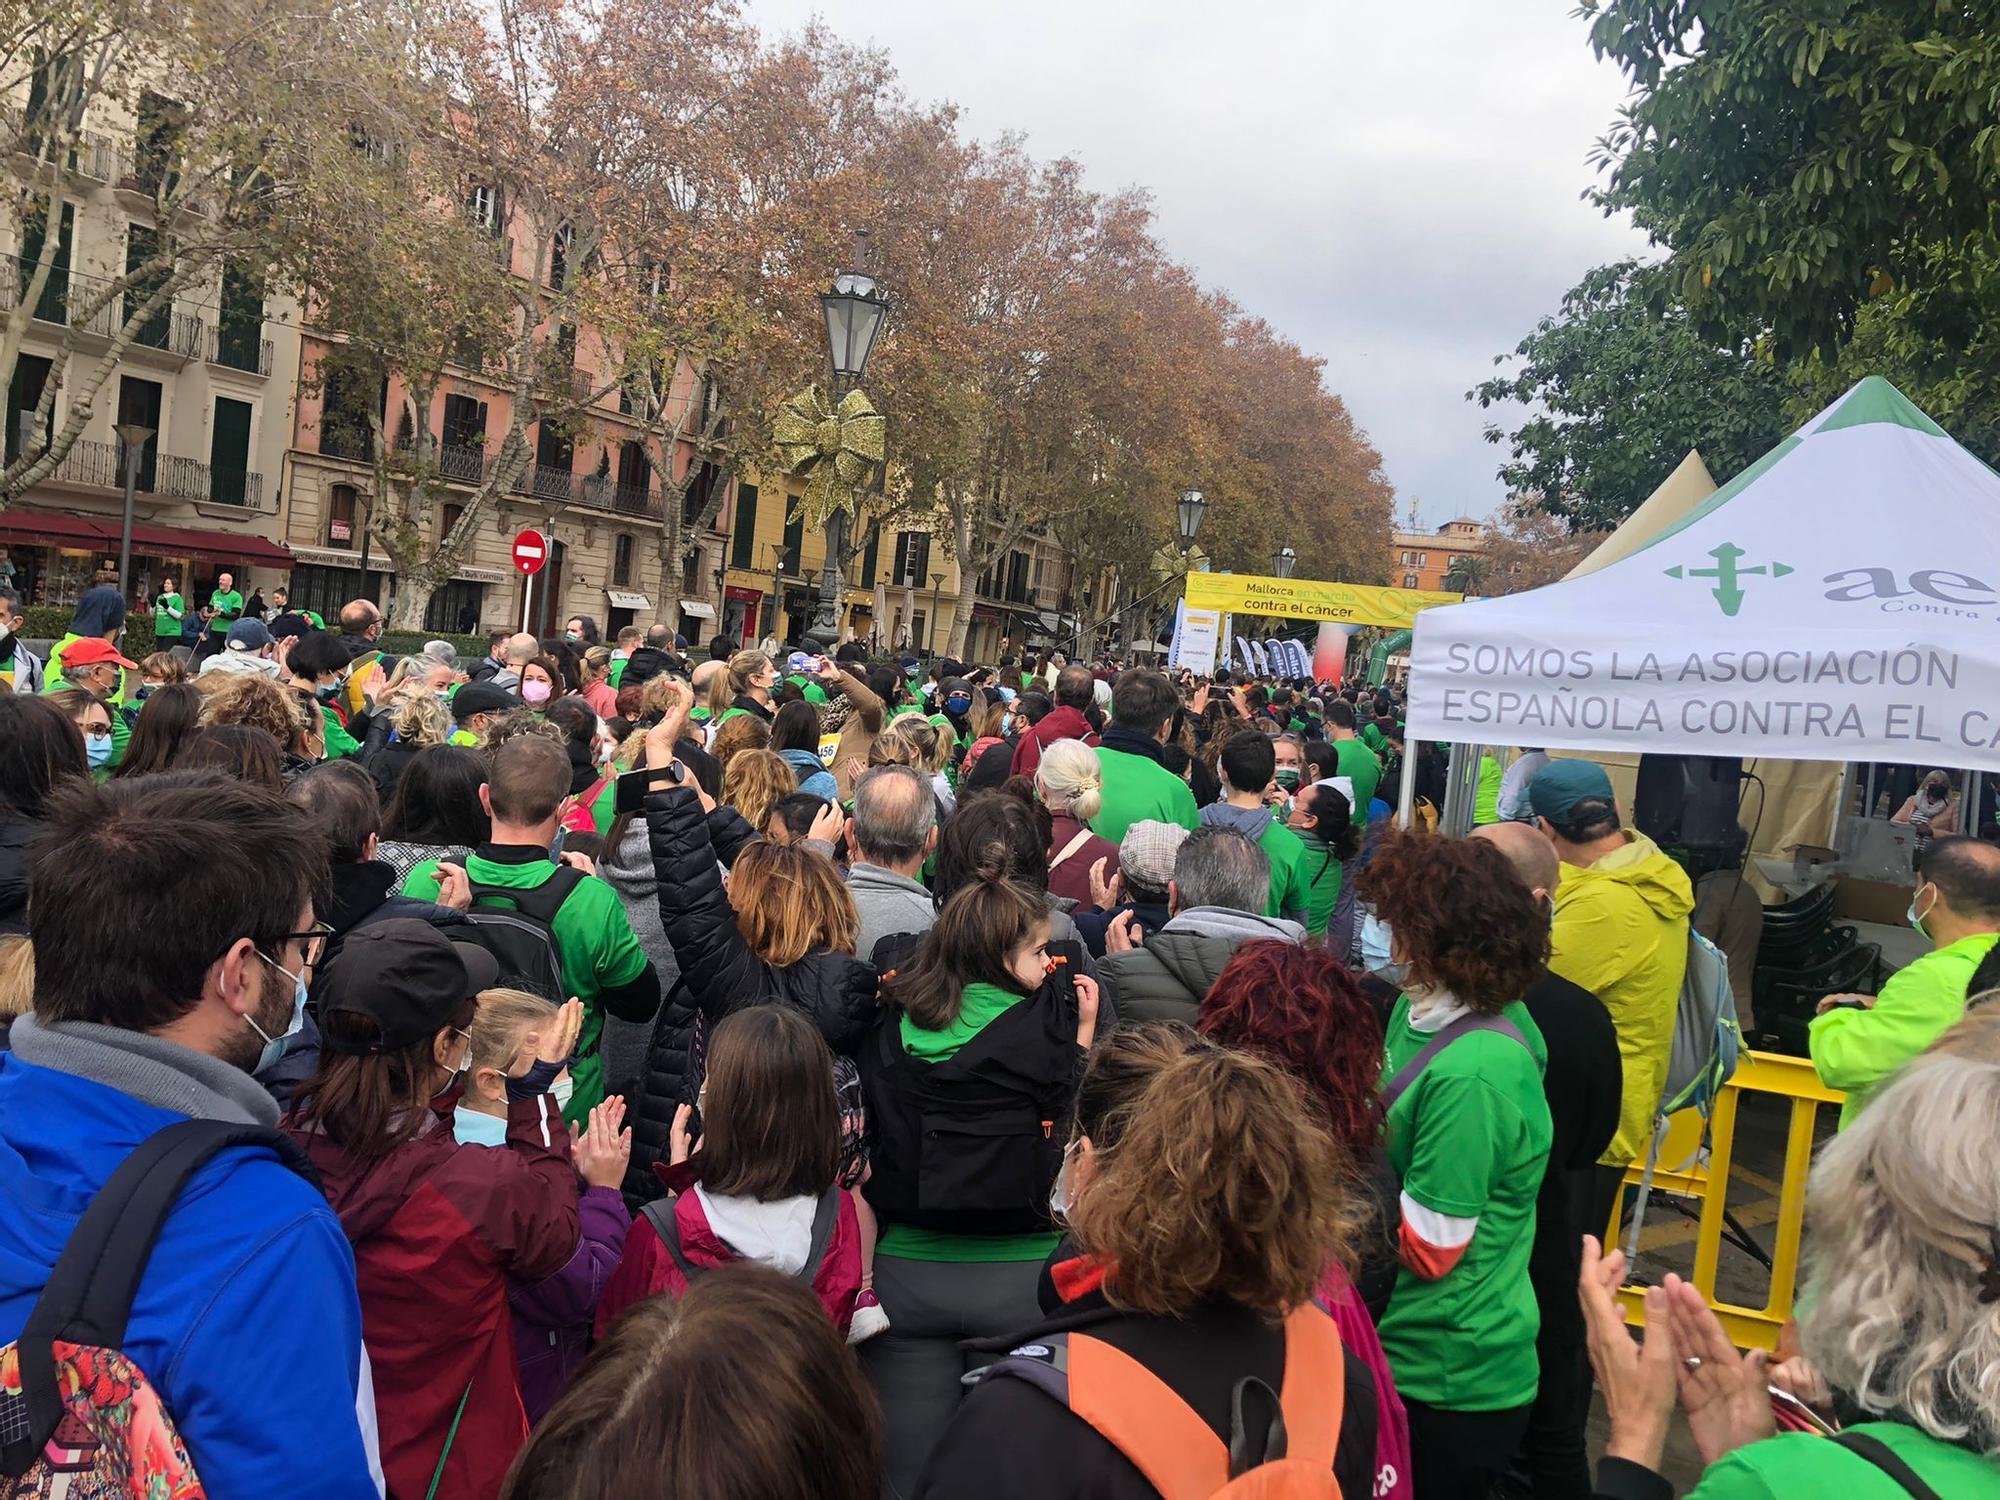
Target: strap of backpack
column 540, row 902
column 1463, row 1026
column 1082, row 838
column 88, row 1296
column 1867, row 1446
column 1145, row 1419
column 825, row 1216
column 1315, row 1389
column 660, row 1214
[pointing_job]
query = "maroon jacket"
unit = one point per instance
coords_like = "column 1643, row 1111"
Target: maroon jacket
column 1070, row 880
column 437, row 1229
column 1060, row 723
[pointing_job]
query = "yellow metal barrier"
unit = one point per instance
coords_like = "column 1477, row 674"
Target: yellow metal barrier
column 1758, row 1073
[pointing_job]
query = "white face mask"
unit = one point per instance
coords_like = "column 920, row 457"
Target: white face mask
column 1376, row 951
column 1062, row 1197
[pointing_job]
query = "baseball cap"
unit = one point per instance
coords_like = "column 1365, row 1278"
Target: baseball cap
column 407, row 977
column 1561, row 784
column 92, row 651
column 248, row 635
column 1146, row 853
column 911, row 666
column 482, row 698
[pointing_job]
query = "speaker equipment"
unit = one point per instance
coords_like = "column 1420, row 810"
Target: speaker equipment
column 1689, row 801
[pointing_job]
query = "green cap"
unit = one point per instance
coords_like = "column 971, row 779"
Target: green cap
column 1561, row 784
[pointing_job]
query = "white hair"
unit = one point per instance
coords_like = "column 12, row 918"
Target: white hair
column 1905, row 1209
column 1071, row 780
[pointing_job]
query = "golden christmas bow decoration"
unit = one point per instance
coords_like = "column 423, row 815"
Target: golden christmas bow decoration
column 835, row 450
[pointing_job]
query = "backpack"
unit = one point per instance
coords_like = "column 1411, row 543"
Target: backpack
column 1708, row 1041
column 521, row 933
column 660, row 1214
column 76, row 1416
column 1281, row 1444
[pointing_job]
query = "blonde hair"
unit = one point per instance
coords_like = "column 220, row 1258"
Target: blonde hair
column 504, row 1017
column 733, row 679
column 165, row 666
column 597, row 660
column 733, row 737
column 1904, row 1207
column 1070, row 780
column 419, row 719
column 257, row 703
column 933, row 749
column 755, row 782
column 17, row 977
column 789, row 901
column 893, row 748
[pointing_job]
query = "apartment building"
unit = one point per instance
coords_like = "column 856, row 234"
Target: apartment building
column 1424, row 559
column 211, row 378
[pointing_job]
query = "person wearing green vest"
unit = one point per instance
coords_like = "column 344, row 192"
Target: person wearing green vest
column 1486, row 800
column 1137, row 785
column 1895, row 1323
column 1468, row 1132
column 169, row 617
column 1247, row 764
column 226, row 602
column 1858, row 1042
column 627, row 642
column 602, row 962
column 1322, row 816
column 1352, row 758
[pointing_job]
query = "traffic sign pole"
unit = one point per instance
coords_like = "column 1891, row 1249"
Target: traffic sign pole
column 527, row 602
column 531, row 555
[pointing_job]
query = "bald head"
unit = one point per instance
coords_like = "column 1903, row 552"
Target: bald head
column 1532, row 856
column 520, row 648
column 704, row 674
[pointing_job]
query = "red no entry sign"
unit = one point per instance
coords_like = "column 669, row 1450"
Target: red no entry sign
column 531, row 552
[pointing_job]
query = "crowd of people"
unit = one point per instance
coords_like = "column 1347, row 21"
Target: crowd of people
column 767, row 1076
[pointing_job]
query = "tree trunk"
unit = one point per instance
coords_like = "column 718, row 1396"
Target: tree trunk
column 413, row 592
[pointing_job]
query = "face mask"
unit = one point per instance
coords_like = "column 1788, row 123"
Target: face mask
column 457, row 1079
column 562, row 1088
column 1916, row 920
column 443, row 695
column 1288, row 778
column 1062, row 1197
column 327, row 692
column 1375, row 951
column 6, row 630
column 1006, row 723
column 957, row 707
column 274, row 1046
column 474, row 1129
column 534, row 692
column 97, row 750
column 572, row 636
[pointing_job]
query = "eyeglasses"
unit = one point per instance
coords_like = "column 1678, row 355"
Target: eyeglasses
column 312, row 940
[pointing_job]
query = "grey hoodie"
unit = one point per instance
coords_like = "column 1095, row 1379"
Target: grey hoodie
column 628, row 870
column 1166, row 979
column 1248, row 821
column 889, row 903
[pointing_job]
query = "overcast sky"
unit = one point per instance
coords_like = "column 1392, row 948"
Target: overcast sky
column 1393, row 186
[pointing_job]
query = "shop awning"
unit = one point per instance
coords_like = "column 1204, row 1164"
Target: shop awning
column 208, row 546
column 698, row 609
column 53, row 526
column 626, row 599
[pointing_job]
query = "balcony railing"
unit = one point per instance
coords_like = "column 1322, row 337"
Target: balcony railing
column 101, row 466
column 238, row 348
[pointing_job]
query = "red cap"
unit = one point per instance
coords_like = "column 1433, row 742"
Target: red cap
column 91, row 650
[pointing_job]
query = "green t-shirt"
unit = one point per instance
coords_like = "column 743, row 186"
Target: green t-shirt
column 1323, row 875
column 1469, row 1139
column 228, row 607
column 1373, row 737
column 617, row 676
column 339, row 743
column 169, row 614
column 812, row 691
column 979, row 1006
column 1290, row 879
column 1355, row 761
column 599, row 952
column 1486, row 801
column 1794, row 1464
column 1138, row 788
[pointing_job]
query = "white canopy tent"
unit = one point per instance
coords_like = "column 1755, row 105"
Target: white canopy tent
column 1838, row 600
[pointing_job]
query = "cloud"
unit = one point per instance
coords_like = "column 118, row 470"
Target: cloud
column 1394, row 187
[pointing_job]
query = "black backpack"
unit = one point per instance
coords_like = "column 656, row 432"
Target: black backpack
column 75, row 1333
column 518, row 928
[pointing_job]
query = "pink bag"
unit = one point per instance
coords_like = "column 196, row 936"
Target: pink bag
column 1336, row 1295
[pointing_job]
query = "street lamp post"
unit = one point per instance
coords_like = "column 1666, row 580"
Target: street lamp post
column 855, row 309
column 1193, row 506
column 937, row 583
column 1284, row 562
column 777, row 581
column 134, row 436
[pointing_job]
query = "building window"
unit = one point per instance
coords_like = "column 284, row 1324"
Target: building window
column 635, row 477
column 142, row 248
column 559, row 248
column 1423, row 559
column 462, row 454
column 239, row 332
column 324, row 590
column 139, row 403
column 795, row 544
column 161, row 124
column 454, row 608
column 621, row 560
column 1409, row 580
column 743, row 541
column 868, row 556
column 340, row 504
column 913, row 559
column 53, row 305
column 448, row 515
column 24, row 394
column 482, row 206
column 344, row 430
column 229, row 452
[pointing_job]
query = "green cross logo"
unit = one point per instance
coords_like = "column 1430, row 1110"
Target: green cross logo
column 1728, row 576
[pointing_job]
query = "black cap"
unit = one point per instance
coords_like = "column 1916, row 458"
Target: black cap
column 482, row 698
column 407, row 977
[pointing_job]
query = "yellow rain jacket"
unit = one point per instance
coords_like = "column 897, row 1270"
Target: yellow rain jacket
column 1621, row 932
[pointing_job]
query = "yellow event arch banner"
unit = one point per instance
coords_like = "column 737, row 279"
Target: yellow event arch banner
column 1305, row 599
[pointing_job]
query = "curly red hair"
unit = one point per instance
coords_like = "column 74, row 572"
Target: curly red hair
column 1462, row 917
column 1299, row 1008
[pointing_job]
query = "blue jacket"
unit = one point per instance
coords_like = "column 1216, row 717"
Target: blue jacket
column 813, row 775
column 246, row 1321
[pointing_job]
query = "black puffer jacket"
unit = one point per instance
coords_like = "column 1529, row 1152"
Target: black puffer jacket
column 719, row 974
column 15, row 833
